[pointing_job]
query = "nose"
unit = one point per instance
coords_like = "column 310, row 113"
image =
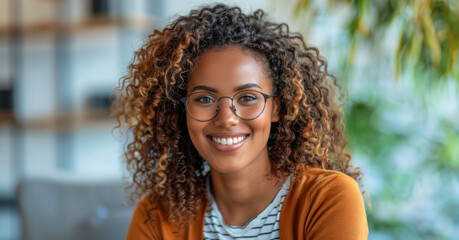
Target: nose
column 226, row 115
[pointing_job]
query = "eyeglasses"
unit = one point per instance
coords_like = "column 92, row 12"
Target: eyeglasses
column 247, row 105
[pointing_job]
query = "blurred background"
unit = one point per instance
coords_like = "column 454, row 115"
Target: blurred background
column 61, row 164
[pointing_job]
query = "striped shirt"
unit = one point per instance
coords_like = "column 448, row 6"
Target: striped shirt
column 263, row 226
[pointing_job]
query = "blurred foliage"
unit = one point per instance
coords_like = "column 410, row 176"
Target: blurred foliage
column 416, row 173
column 427, row 31
column 392, row 56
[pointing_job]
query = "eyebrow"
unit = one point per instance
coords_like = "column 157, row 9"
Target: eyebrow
column 236, row 89
column 206, row 88
column 245, row 86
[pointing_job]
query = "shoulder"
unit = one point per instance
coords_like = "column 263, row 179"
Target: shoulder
column 317, row 180
column 319, row 188
column 148, row 210
column 325, row 204
column 149, row 221
column 145, row 220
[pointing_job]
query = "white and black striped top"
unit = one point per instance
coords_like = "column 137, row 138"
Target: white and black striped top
column 263, row 226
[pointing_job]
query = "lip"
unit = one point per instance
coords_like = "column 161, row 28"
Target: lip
column 227, row 148
column 227, row 135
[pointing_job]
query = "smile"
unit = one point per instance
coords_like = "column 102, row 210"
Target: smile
column 228, row 141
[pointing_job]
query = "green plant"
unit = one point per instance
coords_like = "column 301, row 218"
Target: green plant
column 427, row 32
column 402, row 106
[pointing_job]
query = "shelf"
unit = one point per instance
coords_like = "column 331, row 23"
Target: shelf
column 6, row 117
column 138, row 22
column 72, row 121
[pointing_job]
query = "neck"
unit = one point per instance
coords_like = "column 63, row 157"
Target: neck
column 243, row 195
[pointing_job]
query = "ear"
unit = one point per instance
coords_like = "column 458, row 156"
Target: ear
column 276, row 108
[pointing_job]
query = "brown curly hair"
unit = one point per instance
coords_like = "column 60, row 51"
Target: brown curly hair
column 164, row 163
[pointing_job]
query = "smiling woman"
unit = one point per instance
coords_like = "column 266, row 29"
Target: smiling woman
column 252, row 101
column 226, row 72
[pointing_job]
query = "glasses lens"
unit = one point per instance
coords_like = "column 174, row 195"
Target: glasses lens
column 249, row 104
column 202, row 106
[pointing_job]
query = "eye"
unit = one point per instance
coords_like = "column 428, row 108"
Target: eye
column 204, row 100
column 247, row 98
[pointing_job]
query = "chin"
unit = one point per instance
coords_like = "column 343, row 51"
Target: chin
column 226, row 168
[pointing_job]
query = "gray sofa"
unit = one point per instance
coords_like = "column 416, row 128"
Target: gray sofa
column 73, row 207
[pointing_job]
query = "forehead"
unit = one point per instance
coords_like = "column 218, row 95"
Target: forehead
column 225, row 69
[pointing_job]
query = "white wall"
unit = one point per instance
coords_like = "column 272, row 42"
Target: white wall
column 34, row 96
column 94, row 62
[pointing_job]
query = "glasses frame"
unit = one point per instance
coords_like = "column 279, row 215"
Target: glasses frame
column 233, row 108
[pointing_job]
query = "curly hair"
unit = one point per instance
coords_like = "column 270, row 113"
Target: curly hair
column 164, row 163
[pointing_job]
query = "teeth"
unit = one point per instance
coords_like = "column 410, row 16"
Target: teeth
column 228, row 141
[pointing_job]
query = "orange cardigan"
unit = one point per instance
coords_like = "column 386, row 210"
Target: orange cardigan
column 321, row 204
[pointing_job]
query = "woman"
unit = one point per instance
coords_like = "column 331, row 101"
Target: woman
column 237, row 133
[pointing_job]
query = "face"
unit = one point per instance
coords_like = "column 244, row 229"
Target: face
column 225, row 72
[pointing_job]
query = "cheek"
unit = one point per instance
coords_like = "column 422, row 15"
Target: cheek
column 262, row 124
column 194, row 130
column 191, row 127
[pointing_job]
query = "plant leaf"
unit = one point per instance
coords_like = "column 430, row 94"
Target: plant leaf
column 431, row 38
